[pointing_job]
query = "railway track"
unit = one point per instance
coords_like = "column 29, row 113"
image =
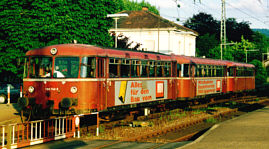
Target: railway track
column 165, row 114
column 177, row 126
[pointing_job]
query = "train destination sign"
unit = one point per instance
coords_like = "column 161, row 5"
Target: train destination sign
column 128, row 92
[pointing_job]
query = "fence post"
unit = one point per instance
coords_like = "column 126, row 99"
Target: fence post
column 8, row 137
column 8, row 94
column 77, row 121
column 97, row 125
column 21, row 92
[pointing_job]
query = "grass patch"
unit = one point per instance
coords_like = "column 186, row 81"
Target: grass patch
column 211, row 120
column 102, row 128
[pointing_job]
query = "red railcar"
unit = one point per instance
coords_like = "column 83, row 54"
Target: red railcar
column 77, row 78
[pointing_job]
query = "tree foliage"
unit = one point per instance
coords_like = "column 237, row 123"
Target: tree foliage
column 30, row 24
column 260, row 73
column 204, row 24
column 206, row 42
column 236, row 29
column 134, row 5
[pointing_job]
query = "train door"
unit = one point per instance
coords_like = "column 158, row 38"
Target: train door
column 194, row 82
column 235, row 79
column 101, row 83
column 224, row 88
column 174, row 81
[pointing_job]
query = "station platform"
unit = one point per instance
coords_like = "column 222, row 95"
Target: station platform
column 249, row 131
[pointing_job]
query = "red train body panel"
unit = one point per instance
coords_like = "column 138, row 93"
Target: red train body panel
column 84, row 78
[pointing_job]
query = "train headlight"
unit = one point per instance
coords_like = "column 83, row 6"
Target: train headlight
column 31, row 89
column 73, row 89
column 53, row 51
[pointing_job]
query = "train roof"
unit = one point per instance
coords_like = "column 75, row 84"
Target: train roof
column 90, row 50
column 196, row 60
column 206, row 61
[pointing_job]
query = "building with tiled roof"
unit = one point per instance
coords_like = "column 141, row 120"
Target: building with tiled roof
column 156, row 33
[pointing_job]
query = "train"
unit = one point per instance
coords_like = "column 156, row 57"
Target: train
column 78, row 79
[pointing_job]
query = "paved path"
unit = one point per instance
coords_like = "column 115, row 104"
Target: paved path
column 249, row 131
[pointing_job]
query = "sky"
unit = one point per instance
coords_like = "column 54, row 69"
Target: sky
column 256, row 12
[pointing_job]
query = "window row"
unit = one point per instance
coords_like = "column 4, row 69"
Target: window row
column 209, row 71
column 90, row 67
column 138, row 68
column 241, row 71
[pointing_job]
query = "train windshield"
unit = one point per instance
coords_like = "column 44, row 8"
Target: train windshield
column 38, row 67
column 66, row 67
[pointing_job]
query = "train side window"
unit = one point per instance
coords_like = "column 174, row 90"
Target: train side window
column 219, row 71
column 125, row 68
column 114, row 68
column 197, row 71
column 202, row 71
column 249, row 72
column 186, row 70
column 178, row 70
column 40, row 67
column 160, row 69
column 231, row 71
column 210, row 71
column 167, row 69
column 238, row 71
column 214, row 74
column 207, row 68
column 192, row 70
column 66, row 67
column 151, row 69
column 135, row 68
column 88, row 67
column 144, row 69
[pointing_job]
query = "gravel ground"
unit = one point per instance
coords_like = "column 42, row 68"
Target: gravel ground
column 9, row 114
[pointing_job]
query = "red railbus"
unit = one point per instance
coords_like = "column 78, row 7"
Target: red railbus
column 77, row 78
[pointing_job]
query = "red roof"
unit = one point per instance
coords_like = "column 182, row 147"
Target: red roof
column 196, row 60
column 90, row 50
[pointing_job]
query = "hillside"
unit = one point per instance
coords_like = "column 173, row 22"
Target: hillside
column 263, row 31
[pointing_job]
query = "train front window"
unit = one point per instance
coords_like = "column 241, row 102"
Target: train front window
column 66, row 67
column 39, row 67
column 88, row 67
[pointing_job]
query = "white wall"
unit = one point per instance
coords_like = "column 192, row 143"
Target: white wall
column 170, row 41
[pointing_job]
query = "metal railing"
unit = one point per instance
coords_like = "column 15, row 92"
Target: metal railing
column 36, row 132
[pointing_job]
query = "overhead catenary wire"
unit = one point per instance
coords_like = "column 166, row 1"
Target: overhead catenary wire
column 255, row 18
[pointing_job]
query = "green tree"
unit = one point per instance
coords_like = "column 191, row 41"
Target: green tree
column 262, row 45
column 29, row 24
column 234, row 52
column 134, row 5
column 208, row 27
column 205, row 43
column 260, row 72
column 203, row 23
column 239, row 50
column 236, row 29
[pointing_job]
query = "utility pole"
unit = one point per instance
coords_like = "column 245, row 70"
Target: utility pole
column 222, row 28
column 116, row 17
column 159, row 30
